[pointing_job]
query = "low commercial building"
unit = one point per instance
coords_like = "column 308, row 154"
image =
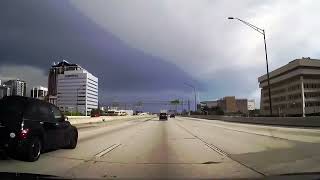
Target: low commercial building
column 39, row 92
column 228, row 104
column 295, row 88
column 209, row 104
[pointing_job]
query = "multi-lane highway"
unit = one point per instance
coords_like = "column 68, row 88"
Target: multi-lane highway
column 177, row 148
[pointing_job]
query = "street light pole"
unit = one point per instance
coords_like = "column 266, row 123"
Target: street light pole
column 261, row 31
column 268, row 76
column 195, row 96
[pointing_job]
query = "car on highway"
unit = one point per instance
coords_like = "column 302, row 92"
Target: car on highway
column 163, row 116
column 30, row 126
column 121, row 113
column 172, row 115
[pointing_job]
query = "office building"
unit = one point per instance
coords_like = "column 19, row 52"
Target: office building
column 54, row 71
column 295, row 88
column 17, row 87
column 251, row 105
column 77, row 91
column 39, row 92
column 4, row 91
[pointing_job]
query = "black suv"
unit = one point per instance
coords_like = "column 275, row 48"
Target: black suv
column 30, row 126
column 163, row 116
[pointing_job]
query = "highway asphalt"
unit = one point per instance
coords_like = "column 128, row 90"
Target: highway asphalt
column 177, row 148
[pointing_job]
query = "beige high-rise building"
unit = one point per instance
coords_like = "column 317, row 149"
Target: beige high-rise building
column 295, row 88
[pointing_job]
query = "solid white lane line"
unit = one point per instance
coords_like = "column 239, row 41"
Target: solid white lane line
column 102, row 153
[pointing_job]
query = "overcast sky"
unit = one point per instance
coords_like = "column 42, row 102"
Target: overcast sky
column 147, row 49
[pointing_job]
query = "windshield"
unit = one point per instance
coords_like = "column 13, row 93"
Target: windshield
column 163, row 89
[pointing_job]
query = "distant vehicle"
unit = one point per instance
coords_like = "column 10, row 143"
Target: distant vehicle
column 172, row 115
column 163, row 116
column 121, row 113
column 142, row 114
column 30, row 126
column 163, row 111
column 95, row 113
column 128, row 112
column 112, row 113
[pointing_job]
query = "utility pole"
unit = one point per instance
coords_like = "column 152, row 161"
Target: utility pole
column 189, row 106
column 181, row 105
column 195, row 95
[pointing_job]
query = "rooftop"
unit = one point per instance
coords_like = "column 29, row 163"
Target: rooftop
column 303, row 62
column 63, row 63
column 40, row 88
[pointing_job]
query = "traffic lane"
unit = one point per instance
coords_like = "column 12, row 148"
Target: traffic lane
column 233, row 142
column 61, row 161
column 161, row 149
column 92, row 141
column 269, row 155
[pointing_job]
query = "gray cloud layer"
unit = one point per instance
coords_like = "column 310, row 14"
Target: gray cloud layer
column 196, row 36
column 36, row 33
column 188, row 40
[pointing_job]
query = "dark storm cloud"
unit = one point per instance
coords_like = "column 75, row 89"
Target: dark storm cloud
column 37, row 32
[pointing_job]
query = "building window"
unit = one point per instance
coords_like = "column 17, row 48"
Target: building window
column 312, row 104
column 294, row 87
column 294, row 96
column 311, row 85
column 294, row 105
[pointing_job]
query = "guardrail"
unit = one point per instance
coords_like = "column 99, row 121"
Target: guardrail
column 279, row 121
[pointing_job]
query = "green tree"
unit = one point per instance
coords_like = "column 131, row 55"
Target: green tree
column 219, row 111
column 175, row 102
column 96, row 112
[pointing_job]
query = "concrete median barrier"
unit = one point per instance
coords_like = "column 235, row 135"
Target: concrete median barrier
column 312, row 121
column 86, row 119
column 289, row 133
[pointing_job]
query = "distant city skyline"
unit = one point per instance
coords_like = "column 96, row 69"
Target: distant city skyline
column 153, row 56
